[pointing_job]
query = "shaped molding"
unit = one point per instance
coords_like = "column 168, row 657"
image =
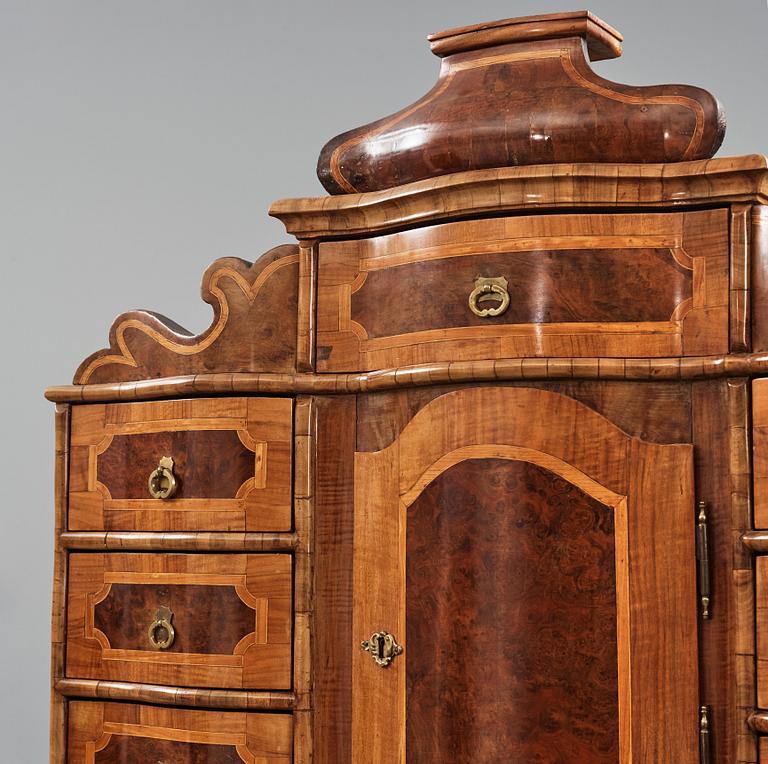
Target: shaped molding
column 521, row 92
column 254, row 327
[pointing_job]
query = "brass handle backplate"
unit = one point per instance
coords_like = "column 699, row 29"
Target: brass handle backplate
column 162, row 482
column 161, row 632
column 489, row 290
column 383, row 648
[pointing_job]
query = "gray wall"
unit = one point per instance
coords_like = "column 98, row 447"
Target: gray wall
column 140, row 140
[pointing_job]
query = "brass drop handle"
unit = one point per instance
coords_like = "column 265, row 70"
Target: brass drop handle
column 161, row 632
column 162, row 482
column 383, row 648
column 489, row 290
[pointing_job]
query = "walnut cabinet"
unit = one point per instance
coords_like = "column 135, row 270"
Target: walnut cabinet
column 474, row 471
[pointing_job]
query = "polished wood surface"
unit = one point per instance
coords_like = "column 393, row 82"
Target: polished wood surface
column 563, row 112
column 480, row 193
column 113, row 733
column 423, row 375
column 760, row 450
column 656, row 631
column 542, row 550
column 659, row 286
column 217, row 644
column 254, row 326
column 232, row 459
column 165, row 695
column 602, row 40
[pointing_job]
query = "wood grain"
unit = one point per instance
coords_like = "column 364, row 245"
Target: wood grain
column 659, row 286
column 58, row 713
column 562, row 437
column 333, row 583
column 254, row 326
column 483, row 193
column 760, row 451
column 261, row 659
column 232, row 459
column 535, row 676
column 101, row 733
column 563, row 112
column 164, row 695
column 759, row 276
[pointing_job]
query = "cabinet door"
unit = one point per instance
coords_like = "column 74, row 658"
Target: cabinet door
column 537, row 566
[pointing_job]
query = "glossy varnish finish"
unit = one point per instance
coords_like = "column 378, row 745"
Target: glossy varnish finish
column 528, row 99
column 115, row 733
column 232, row 460
column 519, row 564
column 114, row 598
column 629, row 475
column 659, row 286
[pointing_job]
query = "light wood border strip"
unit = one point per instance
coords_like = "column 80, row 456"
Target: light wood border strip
column 245, row 700
column 482, row 192
column 58, row 719
column 173, row 541
column 305, row 326
column 637, row 369
column 305, row 417
column 739, row 287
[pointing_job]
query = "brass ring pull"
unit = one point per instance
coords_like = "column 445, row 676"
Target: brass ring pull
column 162, row 482
column 383, row 648
column 161, row 632
column 489, row 290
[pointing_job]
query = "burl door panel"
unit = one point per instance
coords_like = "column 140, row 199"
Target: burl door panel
column 230, row 617
column 125, row 733
column 630, row 285
column 536, row 564
column 231, row 460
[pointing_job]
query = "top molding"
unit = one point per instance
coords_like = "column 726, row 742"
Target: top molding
column 488, row 192
column 603, row 41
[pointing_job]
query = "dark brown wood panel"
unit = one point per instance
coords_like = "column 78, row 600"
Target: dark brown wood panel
column 231, row 614
column 510, row 619
column 625, row 285
column 551, row 285
column 214, row 463
column 563, row 112
column 121, row 749
column 130, row 733
column 206, row 619
column 231, row 459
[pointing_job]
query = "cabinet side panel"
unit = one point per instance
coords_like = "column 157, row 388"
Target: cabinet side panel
column 333, row 553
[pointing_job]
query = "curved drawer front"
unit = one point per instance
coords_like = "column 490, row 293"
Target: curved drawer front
column 629, row 285
column 181, row 619
column 230, row 459
column 113, row 733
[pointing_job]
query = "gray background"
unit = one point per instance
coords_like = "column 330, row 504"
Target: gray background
column 142, row 139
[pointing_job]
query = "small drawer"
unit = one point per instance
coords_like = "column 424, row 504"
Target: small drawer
column 199, row 620
column 229, row 460
column 592, row 285
column 113, row 733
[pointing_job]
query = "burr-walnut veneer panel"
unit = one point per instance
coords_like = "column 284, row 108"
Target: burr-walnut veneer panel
column 657, row 286
column 232, row 461
column 230, row 615
column 123, row 733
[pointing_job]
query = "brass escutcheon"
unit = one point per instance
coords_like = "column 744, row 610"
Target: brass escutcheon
column 162, row 623
column 162, row 482
column 489, row 290
column 383, row 648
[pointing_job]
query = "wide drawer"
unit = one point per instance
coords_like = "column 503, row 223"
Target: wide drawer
column 231, row 462
column 591, row 285
column 201, row 620
column 126, row 733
